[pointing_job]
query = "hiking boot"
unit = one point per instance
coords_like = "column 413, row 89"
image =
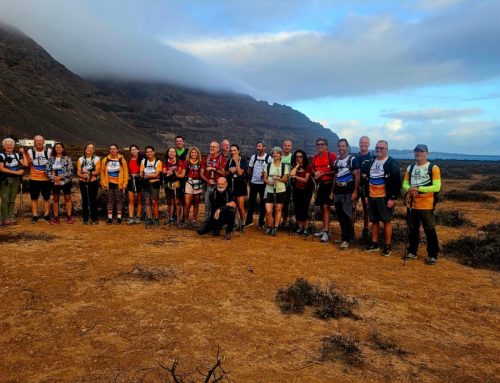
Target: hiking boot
column 269, row 230
column 95, row 223
column 324, row 237
column 431, row 261
column 119, row 220
column 156, row 222
column 7, row 222
column 109, row 221
column 46, row 218
column 194, row 224
column 137, row 220
column 372, row 247
column 299, row 231
column 344, row 245
column 13, row 221
column 306, row 233
column 130, row 221
column 34, row 219
column 248, row 224
column 410, row 256
column 227, row 236
column 55, row 221
column 274, row 230
column 69, row 220
column 319, row 234
column 386, row 250
column 85, row 222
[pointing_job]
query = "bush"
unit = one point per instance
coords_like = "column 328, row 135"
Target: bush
column 488, row 184
column 468, row 196
column 452, row 218
column 338, row 347
column 328, row 302
column 492, row 227
column 476, row 251
column 386, row 344
column 26, row 236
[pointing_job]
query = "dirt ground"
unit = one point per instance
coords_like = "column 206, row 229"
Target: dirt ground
column 75, row 308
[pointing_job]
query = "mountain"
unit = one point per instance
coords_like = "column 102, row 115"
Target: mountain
column 40, row 95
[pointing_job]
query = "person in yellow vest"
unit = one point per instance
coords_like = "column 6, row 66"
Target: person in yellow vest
column 114, row 179
column 421, row 183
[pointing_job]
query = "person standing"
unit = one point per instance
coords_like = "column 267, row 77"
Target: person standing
column 256, row 166
column 225, row 146
column 322, row 166
column 384, row 185
column 88, row 169
column 11, row 173
column 191, row 170
column 213, row 167
column 236, row 170
column 182, row 155
column 364, row 157
column 60, row 172
column 300, row 175
column 421, row 183
column 39, row 183
column 275, row 176
column 286, row 159
column 114, row 179
column 345, row 191
column 134, row 186
column 172, row 167
column 150, row 173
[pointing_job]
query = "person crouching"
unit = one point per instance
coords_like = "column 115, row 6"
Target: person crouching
column 222, row 211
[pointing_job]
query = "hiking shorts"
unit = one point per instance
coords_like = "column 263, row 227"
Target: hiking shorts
column 323, row 194
column 153, row 189
column 66, row 189
column 134, row 184
column 37, row 187
column 280, row 198
column 379, row 212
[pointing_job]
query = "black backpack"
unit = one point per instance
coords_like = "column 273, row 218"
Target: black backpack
column 429, row 169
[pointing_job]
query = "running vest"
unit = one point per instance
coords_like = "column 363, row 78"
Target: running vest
column 419, row 178
column 150, row 168
column 11, row 162
column 344, row 180
column 39, row 161
column 324, row 163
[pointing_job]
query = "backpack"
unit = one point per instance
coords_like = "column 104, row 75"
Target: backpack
column 33, row 151
column 429, row 169
column 3, row 175
column 350, row 158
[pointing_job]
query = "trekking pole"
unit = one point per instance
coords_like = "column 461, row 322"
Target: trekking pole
column 354, row 216
column 290, row 209
column 311, row 217
column 21, row 204
column 274, row 208
column 408, row 230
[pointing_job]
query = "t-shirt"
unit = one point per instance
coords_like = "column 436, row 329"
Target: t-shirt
column 150, row 168
column 57, row 167
column 89, row 164
column 39, row 161
column 276, row 171
column 193, row 171
column 287, row 160
column 302, row 174
column 218, row 162
column 364, row 163
column 258, row 163
column 113, row 168
column 323, row 162
column 182, row 153
column 344, row 183
column 172, row 165
column 134, row 166
column 11, row 162
column 420, row 177
column 377, row 179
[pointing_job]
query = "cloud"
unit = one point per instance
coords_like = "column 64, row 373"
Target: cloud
column 363, row 55
column 433, row 114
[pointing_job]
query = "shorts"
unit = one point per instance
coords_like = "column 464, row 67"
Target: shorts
column 189, row 189
column 134, row 184
column 240, row 188
column 323, row 194
column 37, row 187
column 170, row 194
column 280, row 198
column 379, row 212
column 153, row 189
column 66, row 189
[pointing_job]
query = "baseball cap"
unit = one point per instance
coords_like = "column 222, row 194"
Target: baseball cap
column 421, row 147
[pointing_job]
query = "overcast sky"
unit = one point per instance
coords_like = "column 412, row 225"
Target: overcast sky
column 422, row 71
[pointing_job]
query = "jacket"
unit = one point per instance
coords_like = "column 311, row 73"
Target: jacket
column 122, row 175
column 392, row 177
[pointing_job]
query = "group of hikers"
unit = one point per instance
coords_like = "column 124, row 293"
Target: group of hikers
column 284, row 181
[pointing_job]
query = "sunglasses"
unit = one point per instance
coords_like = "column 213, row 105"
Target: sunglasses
column 321, row 144
column 380, row 148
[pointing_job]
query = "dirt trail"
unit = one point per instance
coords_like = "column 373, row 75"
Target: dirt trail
column 73, row 309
